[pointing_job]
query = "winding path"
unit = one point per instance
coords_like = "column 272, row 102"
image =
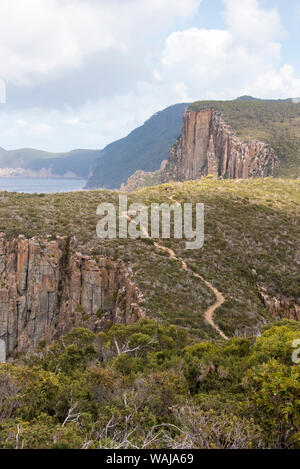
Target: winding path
column 209, row 313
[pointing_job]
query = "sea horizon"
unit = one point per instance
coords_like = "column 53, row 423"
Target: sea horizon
column 40, row 185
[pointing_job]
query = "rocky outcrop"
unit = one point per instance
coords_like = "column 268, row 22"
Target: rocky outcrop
column 48, row 287
column 207, row 145
column 143, row 179
column 279, row 306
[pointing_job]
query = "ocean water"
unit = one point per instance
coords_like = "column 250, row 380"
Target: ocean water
column 40, row 185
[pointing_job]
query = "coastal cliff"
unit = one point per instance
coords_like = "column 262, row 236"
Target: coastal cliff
column 207, row 145
column 47, row 288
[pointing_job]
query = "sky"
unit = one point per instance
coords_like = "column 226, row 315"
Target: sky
column 83, row 73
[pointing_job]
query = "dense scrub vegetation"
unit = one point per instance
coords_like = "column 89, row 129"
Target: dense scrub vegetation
column 276, row 122
column 145, row 386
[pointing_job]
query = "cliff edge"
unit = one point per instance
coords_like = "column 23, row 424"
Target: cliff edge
column 207, row 145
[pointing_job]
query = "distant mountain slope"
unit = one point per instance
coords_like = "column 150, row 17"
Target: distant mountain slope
column 79, row 162
column 27, row 161
column 143, row 149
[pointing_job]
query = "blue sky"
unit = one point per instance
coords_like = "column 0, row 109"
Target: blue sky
column 82, row 73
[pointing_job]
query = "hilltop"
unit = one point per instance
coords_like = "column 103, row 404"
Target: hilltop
column 274, row 122
column 244, row 138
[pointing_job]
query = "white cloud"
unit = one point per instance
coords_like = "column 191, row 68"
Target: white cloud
column 41, row 129
column 34, row 129
column 23, row 131
column 22, row 122
column 251, row 24
column 126, row 59
column 242, row 59
column 93, row 125
column 2, row 91
column 40, row 37
column 283, row 83
column 178, row 7
column 197, row 54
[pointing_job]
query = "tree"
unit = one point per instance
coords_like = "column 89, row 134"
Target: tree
column 274, row 401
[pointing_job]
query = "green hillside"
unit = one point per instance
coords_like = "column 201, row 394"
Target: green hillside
column 276, row 122
column 144, row 148
column 250, row 225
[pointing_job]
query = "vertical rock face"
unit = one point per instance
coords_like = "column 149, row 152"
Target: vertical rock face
column 188, row 155
column 2, row 351
column 207, row 145
column 47, row 288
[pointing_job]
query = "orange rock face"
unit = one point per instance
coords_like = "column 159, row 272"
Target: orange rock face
column 47, row 288
column 208, row 146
